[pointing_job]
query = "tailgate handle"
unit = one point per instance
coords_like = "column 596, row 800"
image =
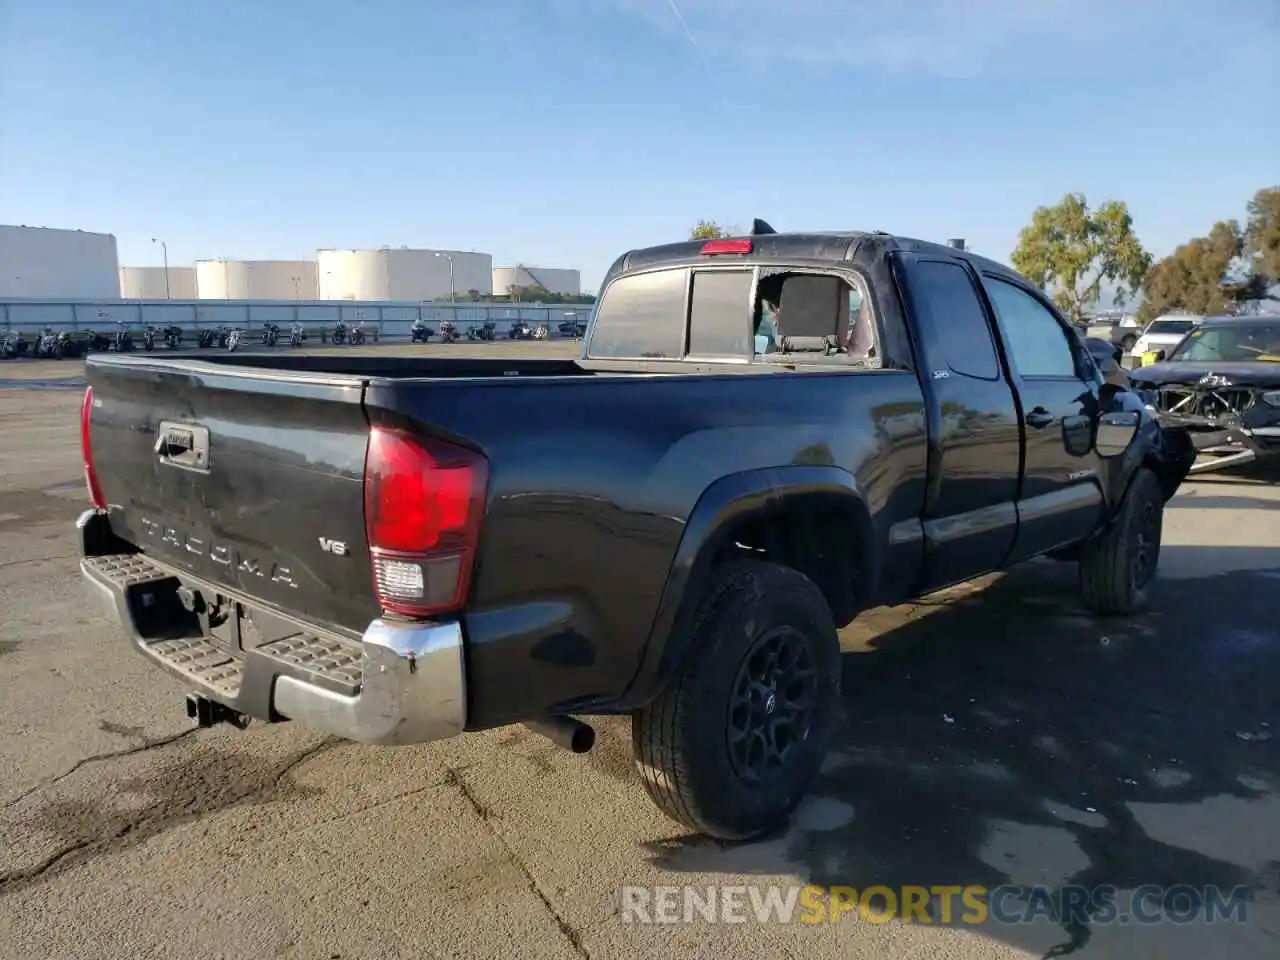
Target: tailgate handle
column 183, row 445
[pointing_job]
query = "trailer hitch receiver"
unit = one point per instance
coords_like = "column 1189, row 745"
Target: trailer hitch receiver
column 210, row 713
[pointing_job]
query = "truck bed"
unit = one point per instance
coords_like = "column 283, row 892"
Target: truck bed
column 388, row 367
column 590, row 485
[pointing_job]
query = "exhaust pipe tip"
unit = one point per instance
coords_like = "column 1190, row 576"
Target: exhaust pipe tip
column 574, row 735
column 582, row 739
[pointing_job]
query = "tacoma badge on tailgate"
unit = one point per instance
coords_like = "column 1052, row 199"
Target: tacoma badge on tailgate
column 244, row 564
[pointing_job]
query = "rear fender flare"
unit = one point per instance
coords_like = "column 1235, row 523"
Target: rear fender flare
column 719, row 510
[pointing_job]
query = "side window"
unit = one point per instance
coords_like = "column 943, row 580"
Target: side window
column 1037, row 341
column 720, row 314
column 946, row 304
column 641, row 316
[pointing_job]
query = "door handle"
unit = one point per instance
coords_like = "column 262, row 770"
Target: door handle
column 1039, row 418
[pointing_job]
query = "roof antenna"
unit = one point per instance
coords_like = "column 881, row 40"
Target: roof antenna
column 760, row 228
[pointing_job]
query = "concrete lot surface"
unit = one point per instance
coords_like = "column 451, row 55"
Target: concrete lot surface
column 994, row 735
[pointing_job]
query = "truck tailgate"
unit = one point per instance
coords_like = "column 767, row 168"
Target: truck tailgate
column 246, row 479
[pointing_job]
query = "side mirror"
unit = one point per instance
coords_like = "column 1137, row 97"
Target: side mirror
column 1116, row 431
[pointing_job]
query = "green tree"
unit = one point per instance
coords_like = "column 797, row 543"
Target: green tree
column 1213, row 274
column 1262, row 234
column 533, row 294
column 1069, row 251
column 707, row 230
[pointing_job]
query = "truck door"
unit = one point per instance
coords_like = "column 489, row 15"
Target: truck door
column 1060, row 500
column 970, row 515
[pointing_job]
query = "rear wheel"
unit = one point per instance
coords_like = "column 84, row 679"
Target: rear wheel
column 1117, row 568
column 734, row 742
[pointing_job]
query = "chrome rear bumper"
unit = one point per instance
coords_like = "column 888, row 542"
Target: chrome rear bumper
column 401, row 683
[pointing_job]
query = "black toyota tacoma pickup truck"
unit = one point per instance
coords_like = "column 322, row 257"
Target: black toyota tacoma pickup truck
column 762, row 437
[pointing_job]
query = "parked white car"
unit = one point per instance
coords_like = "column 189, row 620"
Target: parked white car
column 1163, row 333
column 1121, row 329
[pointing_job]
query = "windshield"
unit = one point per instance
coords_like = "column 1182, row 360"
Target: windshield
column 1170, row 326
column 1232, row 344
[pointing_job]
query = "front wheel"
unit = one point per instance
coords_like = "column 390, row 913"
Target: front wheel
column 1127, row 342
column 1118, row 567
column 735, row 741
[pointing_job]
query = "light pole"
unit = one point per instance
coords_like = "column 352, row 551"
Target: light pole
column 164, row 250
column 448, row 257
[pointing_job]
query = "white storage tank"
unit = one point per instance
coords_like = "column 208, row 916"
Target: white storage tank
column 46, row 263
column 402, row 274
column 256, row 279
column 567, row 282
column 158, row 283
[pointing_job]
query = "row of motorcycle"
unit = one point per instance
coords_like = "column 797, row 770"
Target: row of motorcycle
column 48, row 345
column 57, row 346
column 230, row 338
column 421, row 332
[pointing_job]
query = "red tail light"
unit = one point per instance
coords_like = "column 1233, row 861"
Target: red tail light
column 713, row 247
column 86, row 452
column 423, row 501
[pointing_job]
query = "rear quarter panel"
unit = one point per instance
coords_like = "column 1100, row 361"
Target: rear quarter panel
column 593, row 481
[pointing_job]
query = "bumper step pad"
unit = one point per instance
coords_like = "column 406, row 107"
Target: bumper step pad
column 204, row 662
column 402, row 682
column 336, row 660
column 335, row 663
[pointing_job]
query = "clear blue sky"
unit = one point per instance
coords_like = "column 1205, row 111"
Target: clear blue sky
column 561, row 132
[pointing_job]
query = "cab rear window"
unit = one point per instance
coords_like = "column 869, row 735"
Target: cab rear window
column 720, row 313
column 643, row 316
column 726, row 314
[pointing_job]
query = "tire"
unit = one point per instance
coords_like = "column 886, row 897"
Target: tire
column 1127, row 342
column 681, row 739
column 1118, row 567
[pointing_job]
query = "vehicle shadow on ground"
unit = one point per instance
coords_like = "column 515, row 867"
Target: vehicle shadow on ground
column 1007, row 737
column 1240, row 489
